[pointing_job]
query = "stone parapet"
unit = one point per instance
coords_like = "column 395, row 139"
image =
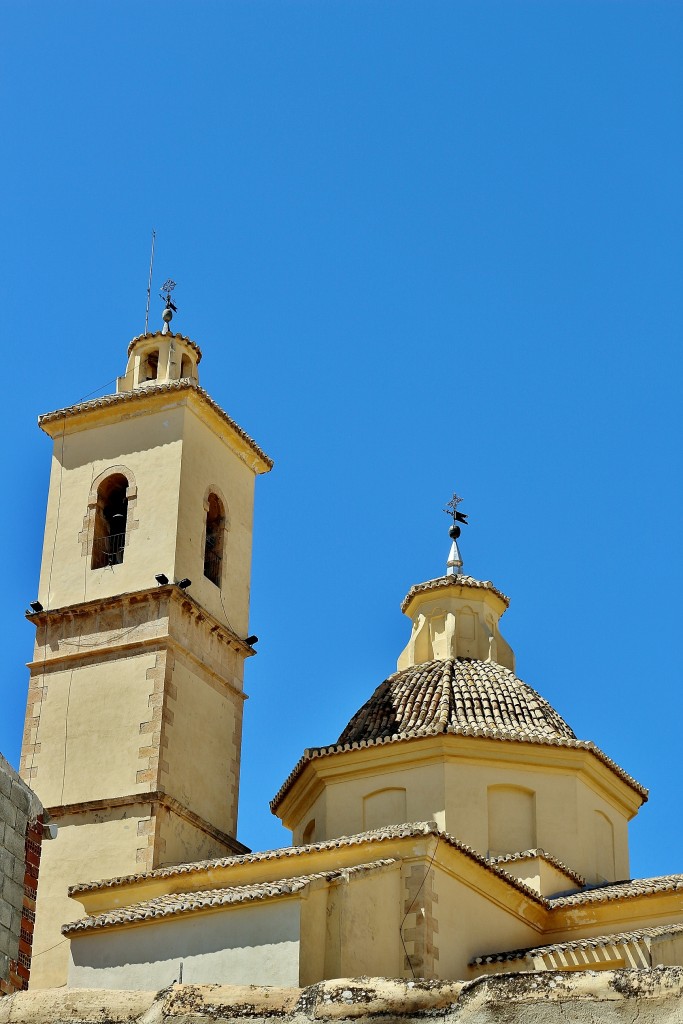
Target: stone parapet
column 584, row 997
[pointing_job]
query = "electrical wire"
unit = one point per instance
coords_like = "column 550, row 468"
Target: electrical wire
column 91, row 393
column 104, row 643
column 34, row 745
column 71, row 673
column 400, row 931
column 49, row 949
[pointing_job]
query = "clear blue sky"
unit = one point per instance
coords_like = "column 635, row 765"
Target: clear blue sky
column 424, row 246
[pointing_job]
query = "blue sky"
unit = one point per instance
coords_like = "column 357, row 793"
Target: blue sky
column 424, row 246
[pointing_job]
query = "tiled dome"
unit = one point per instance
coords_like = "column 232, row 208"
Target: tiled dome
column 452, row 696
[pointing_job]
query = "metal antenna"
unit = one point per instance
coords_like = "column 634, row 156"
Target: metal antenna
column 149, row 283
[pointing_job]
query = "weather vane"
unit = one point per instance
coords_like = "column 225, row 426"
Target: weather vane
column 169, row 308
column 451, row 509
column 454, row 563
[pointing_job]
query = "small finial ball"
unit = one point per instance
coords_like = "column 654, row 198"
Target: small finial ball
column 167, row 315
column 454, row 532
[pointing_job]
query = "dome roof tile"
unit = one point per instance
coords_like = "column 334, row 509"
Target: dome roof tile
column 437, row 696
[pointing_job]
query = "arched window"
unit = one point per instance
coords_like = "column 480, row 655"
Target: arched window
column 213, row 545
column 149, row 368
column 111, row 517
column 186, row 367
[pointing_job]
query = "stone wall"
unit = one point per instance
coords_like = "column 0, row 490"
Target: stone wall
column 21, row 834
column 583, row 997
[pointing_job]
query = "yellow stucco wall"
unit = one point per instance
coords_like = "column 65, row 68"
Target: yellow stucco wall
column 208, row 462
column 259, row 942
column 448, row 779
column 173, row 449
column 147, row 444
column 204, row 745
column 89, row 731
column 110, row 843
column 468, row 922
column 363, row 918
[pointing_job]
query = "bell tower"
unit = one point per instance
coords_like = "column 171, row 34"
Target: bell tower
column 133, row 727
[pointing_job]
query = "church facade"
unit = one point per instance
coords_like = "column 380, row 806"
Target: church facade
column 457, row 827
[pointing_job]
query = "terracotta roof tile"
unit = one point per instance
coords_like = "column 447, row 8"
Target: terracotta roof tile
column 186, row 902
column 629, row 889
column 408, row 830
column 593, row 942
column 442, row 582
column 508, row 858
column 457, row 692
column 167, row 387
column 459, row 697
column 159, row 334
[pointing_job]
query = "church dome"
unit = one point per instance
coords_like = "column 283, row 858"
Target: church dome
column 460, row 695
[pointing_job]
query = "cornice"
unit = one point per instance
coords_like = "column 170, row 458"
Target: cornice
column 71, row 415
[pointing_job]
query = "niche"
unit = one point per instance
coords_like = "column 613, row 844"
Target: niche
column 308, row 835
column 604, row 848
column 437, row 630
column 385, row 807
column 512, row 820
column 465, row 631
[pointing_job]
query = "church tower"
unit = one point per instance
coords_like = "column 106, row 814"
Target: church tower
column 133, row 726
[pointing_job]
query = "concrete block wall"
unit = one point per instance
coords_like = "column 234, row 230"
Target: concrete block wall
column 21, row 835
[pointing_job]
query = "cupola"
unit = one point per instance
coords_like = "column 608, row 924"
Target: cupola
column 455, row 616
column 159, row 358
column 162, row 356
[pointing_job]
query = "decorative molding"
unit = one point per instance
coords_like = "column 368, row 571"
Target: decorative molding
column 153, row 797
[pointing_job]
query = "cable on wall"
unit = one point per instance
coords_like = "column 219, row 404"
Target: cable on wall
column 400, row 931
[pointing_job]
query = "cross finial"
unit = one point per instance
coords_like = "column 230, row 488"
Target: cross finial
column 169, row 308
column 454, row 563
column 451, row 508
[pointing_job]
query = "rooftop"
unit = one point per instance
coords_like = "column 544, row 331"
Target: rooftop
column 186, row 902
column 459, row 580
column 457, row 697
column 170, row 387
column 630, row 888
column 410, row 830
column 593, row 942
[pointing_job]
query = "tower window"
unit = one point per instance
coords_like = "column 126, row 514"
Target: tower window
column 111, row 516
column 213, row 545
column 153, row 365
column 186, row 367
column 150, row 366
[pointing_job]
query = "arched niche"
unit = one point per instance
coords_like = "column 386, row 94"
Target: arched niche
column 511, row 819
column 604, row 847
column 308, row 834
column 466, row 633
column 384, row 807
